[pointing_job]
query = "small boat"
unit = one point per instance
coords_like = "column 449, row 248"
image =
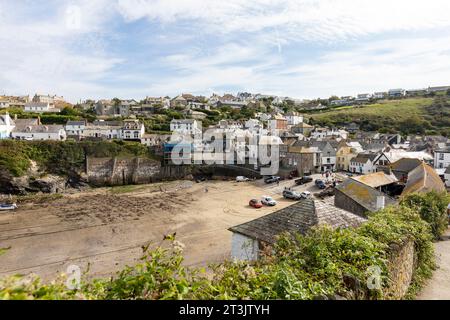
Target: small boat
column 5, row 207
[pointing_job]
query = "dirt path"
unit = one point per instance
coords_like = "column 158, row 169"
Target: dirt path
column 438, row 287
column 106, row 228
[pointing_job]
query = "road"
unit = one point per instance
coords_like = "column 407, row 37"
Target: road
column 438, row 287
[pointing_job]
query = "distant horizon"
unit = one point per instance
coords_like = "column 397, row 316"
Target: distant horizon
column 218, row 93
column 303, row 49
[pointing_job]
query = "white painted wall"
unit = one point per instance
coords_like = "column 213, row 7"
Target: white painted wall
column 244, row 248
column 441, row 160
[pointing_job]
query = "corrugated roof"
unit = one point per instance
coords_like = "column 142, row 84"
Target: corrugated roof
column 297, row 218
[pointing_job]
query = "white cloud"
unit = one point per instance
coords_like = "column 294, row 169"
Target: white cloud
column 304, row 48
column 323, row 20
column 43, row 54
column 409, row 63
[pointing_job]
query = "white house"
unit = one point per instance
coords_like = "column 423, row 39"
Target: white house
column 75, row 128
column 39, row 132
column 40, row 107
column 250, row 238
column 321, row 133
column 253, row 125
column 6, row 126
column 293, row 118
column 379, row 95
column 103, row 129
column 397, row 92
column 4, row 104
column 363, row 163
column 133, row 130
column 185, row 126
column 442, row 158
column 364, row 97
column 447, row 177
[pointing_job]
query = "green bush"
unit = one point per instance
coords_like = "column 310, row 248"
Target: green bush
column 62, row 157
column 432, row 207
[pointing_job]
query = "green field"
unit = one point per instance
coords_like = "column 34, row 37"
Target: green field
column 412, row 115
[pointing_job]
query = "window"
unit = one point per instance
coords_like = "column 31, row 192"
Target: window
column 441, row 156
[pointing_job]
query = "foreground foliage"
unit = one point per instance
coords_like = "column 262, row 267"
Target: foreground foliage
column 322, row 264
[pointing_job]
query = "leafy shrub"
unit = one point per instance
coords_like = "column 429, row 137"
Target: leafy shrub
column 62, row 157
column 432, row 207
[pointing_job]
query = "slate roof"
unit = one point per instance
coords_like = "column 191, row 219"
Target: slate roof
column 363, row 194
column 76, row 123
column 405, row 165
column 364, row 157
column 23, row 123
column 297, row 218
column 423, row 179
column 39, row 129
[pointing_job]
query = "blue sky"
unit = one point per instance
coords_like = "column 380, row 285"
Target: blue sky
column 299, row 48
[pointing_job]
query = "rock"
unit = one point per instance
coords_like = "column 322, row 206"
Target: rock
column 48, row 184
column 12, row 185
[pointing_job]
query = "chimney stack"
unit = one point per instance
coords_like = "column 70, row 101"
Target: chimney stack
column 381, row 202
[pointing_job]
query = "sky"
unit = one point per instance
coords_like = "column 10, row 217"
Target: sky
column 92, row 49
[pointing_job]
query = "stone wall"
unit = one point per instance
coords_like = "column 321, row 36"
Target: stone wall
column 344, row 202
column 121, row 171
column 401, row 266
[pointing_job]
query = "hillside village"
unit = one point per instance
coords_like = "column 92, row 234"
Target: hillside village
column 352, row 172
column 304, row 148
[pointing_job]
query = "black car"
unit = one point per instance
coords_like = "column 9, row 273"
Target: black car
column 272, row 179
column 320, row 184
column 303, row 180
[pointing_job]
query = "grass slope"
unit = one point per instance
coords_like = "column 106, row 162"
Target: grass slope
column 406, row 115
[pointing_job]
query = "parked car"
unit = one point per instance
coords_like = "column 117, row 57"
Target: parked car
column 290, row 194
column 255, row 203
column 303, row 180
column 271, row 179
column 242, row 179
column 8, row 206
column 320, row 184
column 268, row 201
column 306, row 194
column 349, row 174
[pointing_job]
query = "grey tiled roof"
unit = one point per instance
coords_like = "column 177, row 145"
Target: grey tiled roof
column 297, row 218
column 405, row 164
